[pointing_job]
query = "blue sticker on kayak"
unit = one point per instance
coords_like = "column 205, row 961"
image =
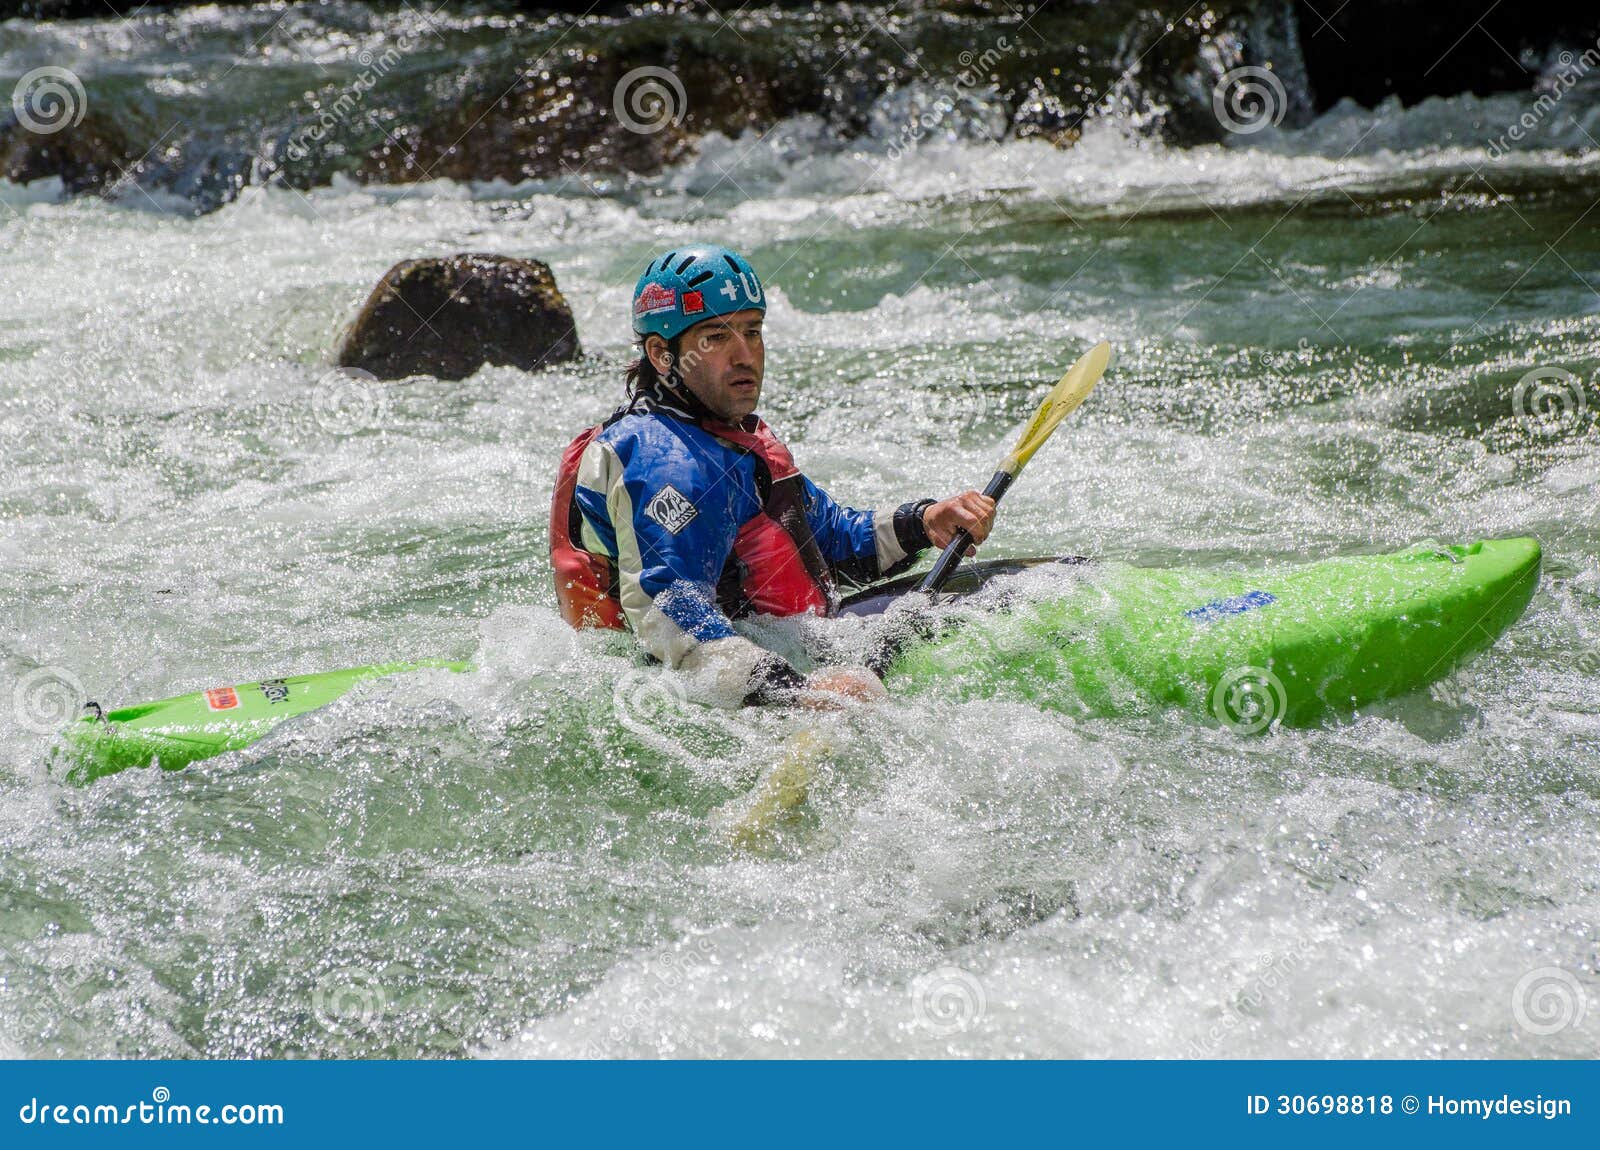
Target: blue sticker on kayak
column 1238, row 605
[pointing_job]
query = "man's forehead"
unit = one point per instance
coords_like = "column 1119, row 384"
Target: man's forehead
column 732, row 319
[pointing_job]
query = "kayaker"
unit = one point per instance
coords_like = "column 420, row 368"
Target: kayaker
column 683, row 511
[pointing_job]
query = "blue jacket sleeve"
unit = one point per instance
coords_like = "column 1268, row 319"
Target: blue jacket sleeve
column 842, row 533
column 682, row 534
column 670, row 518
column 862, row 546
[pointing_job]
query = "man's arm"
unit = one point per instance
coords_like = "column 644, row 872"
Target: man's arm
column 868, row 545
column 862, row 546
column 670, row 545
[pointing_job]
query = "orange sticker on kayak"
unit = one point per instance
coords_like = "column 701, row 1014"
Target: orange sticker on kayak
column 222, row 698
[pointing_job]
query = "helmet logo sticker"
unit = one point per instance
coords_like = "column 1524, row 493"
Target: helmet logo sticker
column 655, row 298
column 671, row 508
column 690, row 284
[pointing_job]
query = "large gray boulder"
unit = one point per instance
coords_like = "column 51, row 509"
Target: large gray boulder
column 448, row 317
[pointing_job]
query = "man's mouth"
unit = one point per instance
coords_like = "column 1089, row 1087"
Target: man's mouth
column 744, row 381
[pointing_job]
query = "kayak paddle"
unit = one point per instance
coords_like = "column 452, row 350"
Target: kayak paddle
column 786, row 785
column 1062, row 401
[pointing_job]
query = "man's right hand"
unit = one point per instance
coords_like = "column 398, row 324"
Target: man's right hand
column 971, row 511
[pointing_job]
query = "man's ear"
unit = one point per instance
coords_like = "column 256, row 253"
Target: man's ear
column 656, row 349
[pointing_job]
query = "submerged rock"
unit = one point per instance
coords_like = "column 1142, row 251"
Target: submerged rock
column 448, row 317
column 91, row 155
column 635, row 95
column 553, row 91
column 594, row 97
column 56, row 130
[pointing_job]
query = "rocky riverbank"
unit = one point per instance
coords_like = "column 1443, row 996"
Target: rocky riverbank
column 301, row 95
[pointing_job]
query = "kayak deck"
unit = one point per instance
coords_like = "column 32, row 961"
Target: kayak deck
column 1288, row 645
column 187, row 728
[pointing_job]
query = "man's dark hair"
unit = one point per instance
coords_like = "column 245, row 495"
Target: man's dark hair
column 643, row 378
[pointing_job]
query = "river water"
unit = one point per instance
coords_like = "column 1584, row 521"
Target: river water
column 1320, row 337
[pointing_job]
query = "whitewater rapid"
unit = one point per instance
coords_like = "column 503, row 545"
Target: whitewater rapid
column 1319, row 350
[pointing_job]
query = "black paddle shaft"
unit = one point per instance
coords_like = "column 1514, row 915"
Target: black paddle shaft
column 886, row 648
column 956, row 550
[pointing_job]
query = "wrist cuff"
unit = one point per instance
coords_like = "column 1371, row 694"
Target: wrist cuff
column 773, row 680
column 909, row 529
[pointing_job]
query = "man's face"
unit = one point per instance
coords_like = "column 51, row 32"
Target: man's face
column 722, row 361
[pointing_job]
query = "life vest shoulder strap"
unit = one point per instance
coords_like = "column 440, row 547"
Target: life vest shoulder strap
column 784, row 569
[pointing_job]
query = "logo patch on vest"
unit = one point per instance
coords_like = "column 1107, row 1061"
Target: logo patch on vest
column 671, row 508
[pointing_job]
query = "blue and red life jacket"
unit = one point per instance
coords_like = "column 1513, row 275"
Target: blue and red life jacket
column 775, row 566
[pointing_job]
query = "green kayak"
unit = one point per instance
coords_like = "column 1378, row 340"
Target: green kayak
column 1288, row 645
column 176, row 732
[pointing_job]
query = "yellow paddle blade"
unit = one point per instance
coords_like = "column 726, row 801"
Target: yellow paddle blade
column 781, row 790
column 1063, row 399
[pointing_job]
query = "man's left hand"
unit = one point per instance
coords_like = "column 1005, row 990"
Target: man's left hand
column 971, row 511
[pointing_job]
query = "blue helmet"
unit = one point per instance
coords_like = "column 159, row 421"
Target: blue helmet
column 690, row 284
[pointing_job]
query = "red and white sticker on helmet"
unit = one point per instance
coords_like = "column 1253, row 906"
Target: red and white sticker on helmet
column 222, row 698
column 693, row 303
column 655, row 298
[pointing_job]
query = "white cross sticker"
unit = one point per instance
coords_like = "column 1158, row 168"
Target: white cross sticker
column 729, row 290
